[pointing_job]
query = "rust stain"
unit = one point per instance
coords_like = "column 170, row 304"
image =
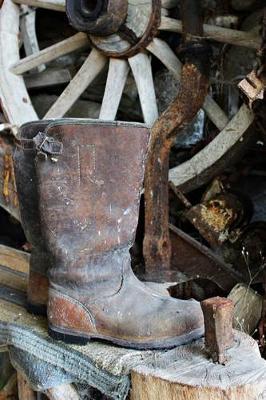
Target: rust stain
column 9, row 184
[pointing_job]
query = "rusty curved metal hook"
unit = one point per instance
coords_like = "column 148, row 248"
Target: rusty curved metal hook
column 193, row 90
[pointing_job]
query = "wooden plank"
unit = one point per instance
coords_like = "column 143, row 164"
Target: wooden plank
column 24, row 390
column 13, row 279
column 17, row 108
column 14, row 259
column 116, row 79
column 203, row 162
column 223, row 35
column 87, row 73
column 141, row 67
column 75, row 42
column 165, row 54
column 56, row 5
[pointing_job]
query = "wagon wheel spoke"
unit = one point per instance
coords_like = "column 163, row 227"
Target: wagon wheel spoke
column 141, row 68
column 200, row 168
column 116, row 79
column 75, row 42
column 223, row 35
column 56, row 5
column 87, row 73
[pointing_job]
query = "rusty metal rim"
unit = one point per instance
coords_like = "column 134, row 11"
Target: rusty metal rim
column 149, row 34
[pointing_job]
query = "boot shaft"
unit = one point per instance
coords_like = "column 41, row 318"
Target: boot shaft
column 26, row 180
column 89, row 197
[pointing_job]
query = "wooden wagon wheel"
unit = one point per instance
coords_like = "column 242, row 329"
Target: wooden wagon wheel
column 126, row 50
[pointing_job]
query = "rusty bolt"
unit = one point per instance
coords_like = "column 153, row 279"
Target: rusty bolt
column 218, row 321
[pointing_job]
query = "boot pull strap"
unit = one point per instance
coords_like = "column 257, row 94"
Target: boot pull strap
column 43, row 144
column 47, row 146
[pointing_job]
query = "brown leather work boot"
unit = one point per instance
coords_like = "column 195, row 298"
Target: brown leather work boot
column 26, row 181
column 89, row 204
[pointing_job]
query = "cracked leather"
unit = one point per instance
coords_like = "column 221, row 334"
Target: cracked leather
column 89, row 203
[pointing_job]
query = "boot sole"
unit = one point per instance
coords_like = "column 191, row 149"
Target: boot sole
column 70, row 337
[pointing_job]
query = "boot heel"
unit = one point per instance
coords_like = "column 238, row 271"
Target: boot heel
column 69, row 320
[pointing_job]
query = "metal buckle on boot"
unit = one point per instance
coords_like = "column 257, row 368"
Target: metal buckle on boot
column 47, row 146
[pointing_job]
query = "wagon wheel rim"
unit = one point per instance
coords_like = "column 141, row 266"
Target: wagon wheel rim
column 18, row 108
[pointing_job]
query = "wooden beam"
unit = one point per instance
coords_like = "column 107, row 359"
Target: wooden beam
column 223, row 35
column 76, row 42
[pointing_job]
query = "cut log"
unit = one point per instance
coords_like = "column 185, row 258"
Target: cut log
column 223, row 35
column 87, row 73
column 116, row 79
column 186, row 373
column 141, row 68
column 18, row 109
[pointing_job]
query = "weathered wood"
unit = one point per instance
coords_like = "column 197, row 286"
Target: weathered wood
column 47, row 78
column 223, row 35
column 62, row 392
column 27, row 26
column 218, row 323
column 186, row 373
column 14, row 259
column 141, row 68
column 87, row 73
column 116, row 79
column 247, row 308
column 202, row 167
column 14, row 268
column 24, row 390
column 165, row 54
column 8, row 193
column 56, row 5
column 17, row 108
column 9, row 391
column 78, row 41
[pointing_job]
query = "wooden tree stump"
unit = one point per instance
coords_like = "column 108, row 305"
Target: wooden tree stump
column 187, row 373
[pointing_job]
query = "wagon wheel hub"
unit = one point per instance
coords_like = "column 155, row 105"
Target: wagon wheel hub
column 117, row 28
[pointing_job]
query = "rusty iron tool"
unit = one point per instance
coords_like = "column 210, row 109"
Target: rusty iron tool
column 218, row 321
column 193, row 90
column 97, row 17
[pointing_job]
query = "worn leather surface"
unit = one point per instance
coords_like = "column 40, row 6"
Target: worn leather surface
column 26, row 181
column 89, row 205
